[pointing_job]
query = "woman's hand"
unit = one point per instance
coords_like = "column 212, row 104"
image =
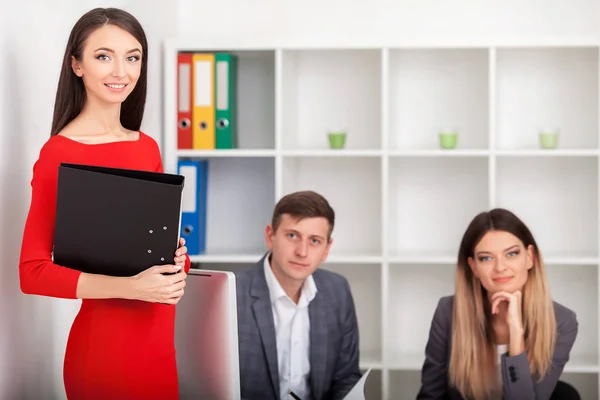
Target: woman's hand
column 514, row 318
column 513, row 300
column 153, row 286
column 180, row 253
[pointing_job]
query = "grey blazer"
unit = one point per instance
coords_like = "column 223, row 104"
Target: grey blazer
column 334, row 340
column 516, row 377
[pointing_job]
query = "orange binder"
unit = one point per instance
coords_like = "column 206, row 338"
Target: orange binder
column 203, row 110
column 184, row 101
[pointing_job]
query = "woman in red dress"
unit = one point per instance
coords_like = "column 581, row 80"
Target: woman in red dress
column 121, row 344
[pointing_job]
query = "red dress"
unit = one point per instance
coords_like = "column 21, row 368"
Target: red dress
column 117, row 349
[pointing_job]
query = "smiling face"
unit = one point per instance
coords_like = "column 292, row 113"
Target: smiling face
column 501, row 262
column 110, row 64
column 298, row 247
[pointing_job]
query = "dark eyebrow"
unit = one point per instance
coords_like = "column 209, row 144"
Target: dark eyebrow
column 112, row 51
column 298, row 233
column 514, row 245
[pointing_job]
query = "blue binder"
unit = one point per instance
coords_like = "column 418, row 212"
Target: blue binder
column 193, row 204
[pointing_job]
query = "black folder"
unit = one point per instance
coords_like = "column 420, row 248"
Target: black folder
column 116, row 222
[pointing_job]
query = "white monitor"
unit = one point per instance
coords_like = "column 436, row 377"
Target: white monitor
column 206, row 337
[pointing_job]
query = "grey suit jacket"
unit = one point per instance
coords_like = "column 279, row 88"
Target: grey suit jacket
column 517, row 381
column 334, row 340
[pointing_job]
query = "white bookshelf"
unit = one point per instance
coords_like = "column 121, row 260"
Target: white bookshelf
column 402, row 203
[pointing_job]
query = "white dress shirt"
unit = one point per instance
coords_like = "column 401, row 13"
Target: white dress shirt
column 292, row 330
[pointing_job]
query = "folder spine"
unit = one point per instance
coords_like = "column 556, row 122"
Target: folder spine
column 226, row 124
column 184, row 101
column 194, row 204
column 203, row 115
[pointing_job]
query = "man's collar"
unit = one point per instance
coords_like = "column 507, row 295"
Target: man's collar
column 309, row 288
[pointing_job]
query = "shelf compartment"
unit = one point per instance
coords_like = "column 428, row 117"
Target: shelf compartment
column 548, row 152
column 547, row 88
column 226, row 153
column 240, row 201
column 227, row 256
column 332, row 153
column 557, row 198
column 330, row 90
column 353, row 188
column 586, row 384
column 231, row 266
column 576, row 287
column 404, row 385
column 365, row 283
column 435, row 89
column 405, row 348
column 256, row 99
column 432, row 200
column 373, row 384
column 439, row 153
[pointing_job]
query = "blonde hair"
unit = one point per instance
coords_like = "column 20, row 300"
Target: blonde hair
column 472, row 367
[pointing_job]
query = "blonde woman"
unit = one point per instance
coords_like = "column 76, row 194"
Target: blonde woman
column 500, row 336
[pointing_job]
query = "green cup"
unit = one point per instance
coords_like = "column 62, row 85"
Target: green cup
column 448, row 140
column 548, row 140
column 337, row 140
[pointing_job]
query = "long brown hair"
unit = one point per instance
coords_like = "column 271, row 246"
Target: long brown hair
column 71, row 95
column 473, row 368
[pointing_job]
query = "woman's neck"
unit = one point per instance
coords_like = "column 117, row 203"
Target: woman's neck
column 102, row 117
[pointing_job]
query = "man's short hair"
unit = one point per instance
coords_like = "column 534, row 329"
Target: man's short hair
column 303, row 204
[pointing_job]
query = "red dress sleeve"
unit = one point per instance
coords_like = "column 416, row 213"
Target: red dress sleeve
column 160, row 168
column 37, row 272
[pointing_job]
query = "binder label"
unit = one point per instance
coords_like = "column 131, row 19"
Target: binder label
column 203, row 81
column 188, row 200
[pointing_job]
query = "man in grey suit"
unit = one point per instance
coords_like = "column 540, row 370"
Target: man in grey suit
column 298, row 332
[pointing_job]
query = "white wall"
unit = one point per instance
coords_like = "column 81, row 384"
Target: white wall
column 25, row 338
column 33, row 330
column 360, row 21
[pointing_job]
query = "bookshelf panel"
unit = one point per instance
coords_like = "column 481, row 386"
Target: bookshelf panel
column 438, row 89
column 585, row 384
column 365, row 283
column 547, row 89
column 241, row 197
column 582, row 280
column 409, row 326
column 290, row 98
column 352, row 185
column 557, row 197
column 331, row 90
column 373, row 385
column 432, row 200
column 231, row 267
column 404, row 385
